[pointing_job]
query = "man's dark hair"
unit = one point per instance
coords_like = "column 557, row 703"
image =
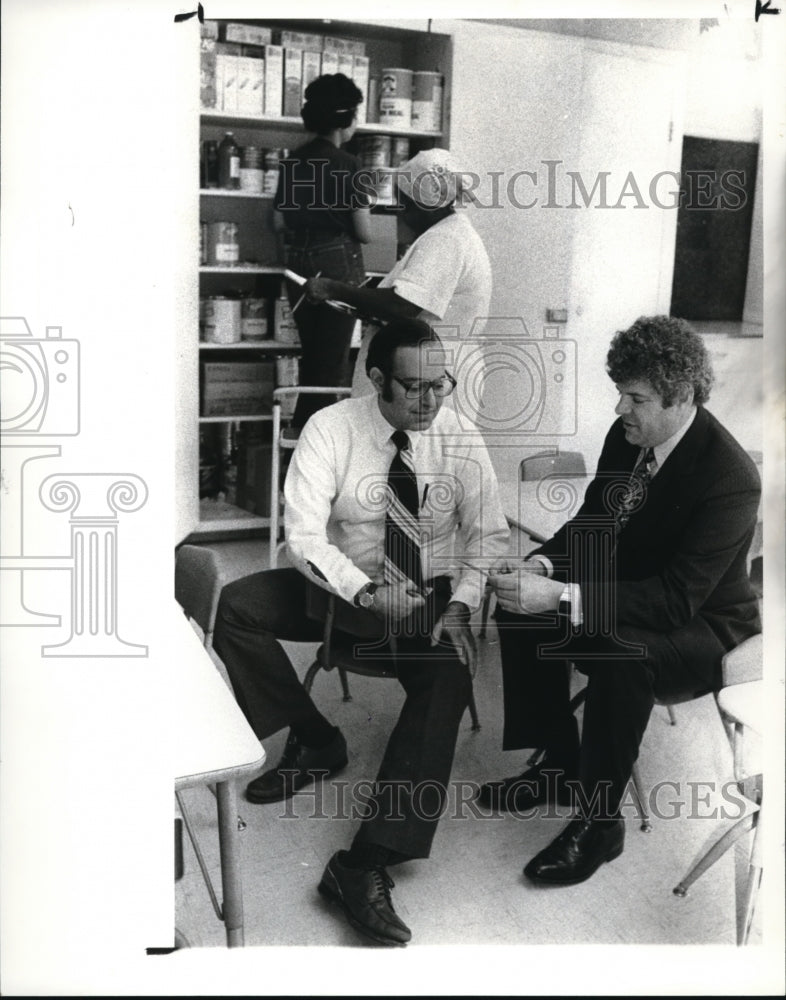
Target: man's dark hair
column 664, row 351
column 389, row 338
column 331, row 102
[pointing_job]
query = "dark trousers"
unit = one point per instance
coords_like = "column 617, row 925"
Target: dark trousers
column 325, row 335
column 411, row 786
column 621, row 691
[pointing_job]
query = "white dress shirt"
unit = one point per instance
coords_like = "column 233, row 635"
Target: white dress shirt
column 335, row 493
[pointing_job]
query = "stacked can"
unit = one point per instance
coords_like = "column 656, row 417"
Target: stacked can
column 222, row 320
column 251, row 172
column 427, row 101
column 223, row 249
column 395, row 97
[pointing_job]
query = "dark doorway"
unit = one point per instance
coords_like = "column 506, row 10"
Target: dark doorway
column 718, row 179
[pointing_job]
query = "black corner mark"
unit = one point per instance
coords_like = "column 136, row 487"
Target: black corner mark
column 764, row 8
column 200, row 13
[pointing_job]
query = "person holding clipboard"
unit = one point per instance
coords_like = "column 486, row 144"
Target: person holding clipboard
column 324, row 217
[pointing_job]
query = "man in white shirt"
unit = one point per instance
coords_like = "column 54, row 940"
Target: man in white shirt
column 644, row 590
column 359, row 468
column 444, row 278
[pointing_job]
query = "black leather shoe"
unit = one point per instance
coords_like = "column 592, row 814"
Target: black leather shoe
column 578, row 851
column 299, row 766
column 536, row 786
column 364, row 895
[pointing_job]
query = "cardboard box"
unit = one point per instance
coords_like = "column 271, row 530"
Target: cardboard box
column 209, row 29
column 329, row 63
column 293, row 77
column 274, row 80
column 237, row 371
column 208, row 97
column 227, row 74
column 250, row 85
column 247, row 34
column 346, row 64
column 360, row 71
column 299, row 40
column 312, row 64
column 351, row 46
column 254, row 460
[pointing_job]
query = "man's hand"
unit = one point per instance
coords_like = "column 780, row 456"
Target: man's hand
column 319, row 289
column 454, row 623
column 523, row 591
column 392, row 602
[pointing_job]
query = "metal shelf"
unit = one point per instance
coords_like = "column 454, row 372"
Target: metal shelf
column 241, row 269
column 275, row 346
column 232, row 193
column 237, row 418
column 296, row 124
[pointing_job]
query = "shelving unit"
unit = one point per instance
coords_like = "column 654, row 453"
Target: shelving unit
column 260, row 271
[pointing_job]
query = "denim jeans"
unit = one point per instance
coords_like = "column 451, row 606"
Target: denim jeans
column 325, row 335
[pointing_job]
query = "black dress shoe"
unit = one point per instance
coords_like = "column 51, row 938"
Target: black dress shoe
column 299, row 766
column 540, row 784
column 364, row 895
column 578, row 851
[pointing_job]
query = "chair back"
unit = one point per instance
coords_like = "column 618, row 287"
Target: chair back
column 198, row 585
column 551, row 463
column 744, row 662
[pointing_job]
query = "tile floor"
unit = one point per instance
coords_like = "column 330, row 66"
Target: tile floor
column 472, row 889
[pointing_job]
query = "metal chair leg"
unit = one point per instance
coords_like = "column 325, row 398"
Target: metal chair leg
column 672, row 716
column 646, row 826
column 344, row 684
column 473, row 711
column 718, row 849
column 754, row 882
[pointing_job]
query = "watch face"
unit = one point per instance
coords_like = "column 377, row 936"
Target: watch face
column 366, row 600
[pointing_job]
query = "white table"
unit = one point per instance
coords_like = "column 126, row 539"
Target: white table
column 213, row 743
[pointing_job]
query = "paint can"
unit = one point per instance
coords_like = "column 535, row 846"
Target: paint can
column 222, row 320
column 427, row 101
column 395, row 97
column 222, row 245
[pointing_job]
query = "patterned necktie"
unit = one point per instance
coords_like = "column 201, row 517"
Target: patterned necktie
column 402, row 530
column 634, row 494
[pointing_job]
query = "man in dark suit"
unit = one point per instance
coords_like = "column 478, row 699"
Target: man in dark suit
column 644, row 590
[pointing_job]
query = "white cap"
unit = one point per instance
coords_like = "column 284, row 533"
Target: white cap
column 431, row 178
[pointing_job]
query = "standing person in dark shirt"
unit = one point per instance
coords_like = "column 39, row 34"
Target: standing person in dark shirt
column 325, row 218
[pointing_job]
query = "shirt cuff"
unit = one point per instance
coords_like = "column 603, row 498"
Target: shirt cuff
column 545, row 561
column 572, row 596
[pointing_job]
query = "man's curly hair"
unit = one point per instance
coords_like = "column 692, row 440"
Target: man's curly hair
column 665, row 352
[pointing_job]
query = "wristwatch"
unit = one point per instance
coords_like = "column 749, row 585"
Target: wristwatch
column 364, row 598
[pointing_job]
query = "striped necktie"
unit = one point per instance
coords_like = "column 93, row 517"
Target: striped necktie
column 402, row 530
column 635, row 490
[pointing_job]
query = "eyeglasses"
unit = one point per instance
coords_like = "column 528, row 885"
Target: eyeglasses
column 419, row 387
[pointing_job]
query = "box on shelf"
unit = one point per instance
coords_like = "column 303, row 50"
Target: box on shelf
column 287, row 375
column 209, row 29
column 299, row 40
column 237, row 388
column 352, row 46
column 346, row 63
column 255, row 453
column 293, row 78
column 207, row 74
column 227, row 79
column 284, row 325
column 360, row 78
column 329, row 63
column 312, row 63
column 250, row 85
column 274, row 80
column 248, row 34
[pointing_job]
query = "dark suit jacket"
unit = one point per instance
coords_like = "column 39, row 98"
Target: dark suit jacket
column 683, row 552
